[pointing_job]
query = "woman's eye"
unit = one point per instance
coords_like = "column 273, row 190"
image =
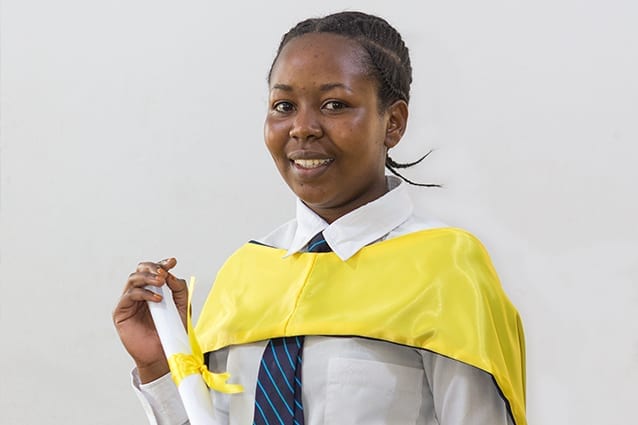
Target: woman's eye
column 334, row 105
column 283, row 107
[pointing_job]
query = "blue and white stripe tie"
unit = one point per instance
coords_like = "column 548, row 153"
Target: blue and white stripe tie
column 278, row 392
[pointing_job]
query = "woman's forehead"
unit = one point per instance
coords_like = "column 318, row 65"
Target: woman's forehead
column 324, row 56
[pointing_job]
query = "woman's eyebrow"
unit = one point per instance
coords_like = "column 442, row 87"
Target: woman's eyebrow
column 283, row 87
column 330, row 86
column 323, row 88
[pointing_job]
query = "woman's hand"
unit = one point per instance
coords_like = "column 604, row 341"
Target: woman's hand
column 133, row 320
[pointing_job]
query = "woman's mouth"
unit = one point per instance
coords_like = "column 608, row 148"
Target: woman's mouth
column 309, row 164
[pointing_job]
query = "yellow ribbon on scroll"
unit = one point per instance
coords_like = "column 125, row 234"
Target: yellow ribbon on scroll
column 183, row 365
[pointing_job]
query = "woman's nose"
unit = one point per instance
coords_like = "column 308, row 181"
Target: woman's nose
column 305, row 125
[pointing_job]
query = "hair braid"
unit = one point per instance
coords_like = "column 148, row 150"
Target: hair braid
column 390, row 74
column 388, row 59
column 392, row 165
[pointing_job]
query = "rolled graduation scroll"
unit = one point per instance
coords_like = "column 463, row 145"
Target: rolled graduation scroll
column 186, row 360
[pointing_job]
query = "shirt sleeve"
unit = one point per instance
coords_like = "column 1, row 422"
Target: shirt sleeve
column 463, row 394
column 160, row 400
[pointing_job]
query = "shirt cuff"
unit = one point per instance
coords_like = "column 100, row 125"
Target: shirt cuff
column 160, row 400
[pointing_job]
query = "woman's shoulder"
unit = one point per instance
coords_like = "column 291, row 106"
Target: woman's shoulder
column 416, row 223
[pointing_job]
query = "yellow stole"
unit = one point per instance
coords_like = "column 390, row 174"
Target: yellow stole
column 434, row 289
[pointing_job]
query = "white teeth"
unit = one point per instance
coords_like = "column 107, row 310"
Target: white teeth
column 311, row 163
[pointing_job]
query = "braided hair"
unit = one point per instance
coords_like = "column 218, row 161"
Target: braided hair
column 388, row 60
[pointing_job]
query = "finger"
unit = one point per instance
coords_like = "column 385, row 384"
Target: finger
column 176, row 284
column 132, row 303
column 148, row 266
column 179, row 289
column 132, row 300
column 141, row 279
column 134, row 295
column 168, row 263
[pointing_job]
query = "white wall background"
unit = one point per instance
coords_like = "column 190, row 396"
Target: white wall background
column 132, row 130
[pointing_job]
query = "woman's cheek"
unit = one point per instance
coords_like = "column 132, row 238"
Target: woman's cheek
column 275, row 136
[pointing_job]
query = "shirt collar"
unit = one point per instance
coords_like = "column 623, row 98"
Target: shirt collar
column 368, row 223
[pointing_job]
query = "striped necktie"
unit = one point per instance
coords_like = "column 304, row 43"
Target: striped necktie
column 278, row 392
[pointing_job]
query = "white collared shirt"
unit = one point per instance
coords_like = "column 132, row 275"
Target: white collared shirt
column 350, row 380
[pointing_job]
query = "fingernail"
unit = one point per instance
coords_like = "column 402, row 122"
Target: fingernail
column 157, row 297
column 160, row 270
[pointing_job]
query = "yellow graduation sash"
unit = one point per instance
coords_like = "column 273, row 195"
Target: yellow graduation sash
column 434, row 289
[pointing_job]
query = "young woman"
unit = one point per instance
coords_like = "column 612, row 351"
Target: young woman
column 402, row 322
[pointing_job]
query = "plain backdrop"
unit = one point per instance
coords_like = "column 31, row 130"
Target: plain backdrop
column 132, row 130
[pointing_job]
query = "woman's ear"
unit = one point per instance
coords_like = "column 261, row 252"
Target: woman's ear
column 397, row 121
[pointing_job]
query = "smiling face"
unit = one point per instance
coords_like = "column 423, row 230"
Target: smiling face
column 324, row 128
